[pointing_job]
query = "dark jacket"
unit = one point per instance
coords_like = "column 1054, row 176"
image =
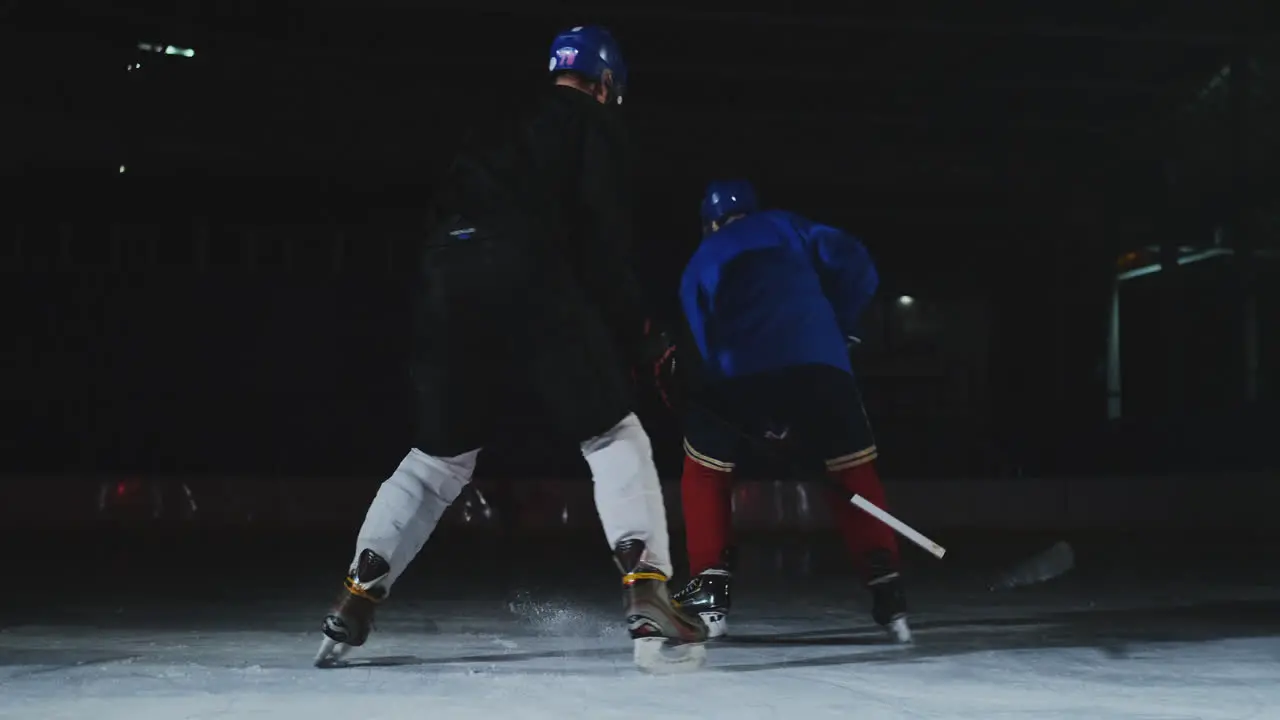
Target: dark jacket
column 559, row 179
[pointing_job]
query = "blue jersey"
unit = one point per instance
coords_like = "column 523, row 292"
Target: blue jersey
column 773, row 290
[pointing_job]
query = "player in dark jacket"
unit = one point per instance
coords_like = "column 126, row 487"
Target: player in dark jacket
column 526, row 286
column 772, row 301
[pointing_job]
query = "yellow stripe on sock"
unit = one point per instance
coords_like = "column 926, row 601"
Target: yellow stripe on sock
column 706, row 460
column 844, row 462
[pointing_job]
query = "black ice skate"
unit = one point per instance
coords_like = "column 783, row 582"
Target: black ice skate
column 707, row 594
column 888, row 599
column 654, row 620
column 351, row 619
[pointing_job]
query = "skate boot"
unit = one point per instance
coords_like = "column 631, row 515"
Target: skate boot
column 351, row 619
column 666, row 638
column 707, row 594
column 888, row 599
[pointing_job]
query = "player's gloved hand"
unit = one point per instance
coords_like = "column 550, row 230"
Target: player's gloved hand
column 658, row 361
column 664, row 376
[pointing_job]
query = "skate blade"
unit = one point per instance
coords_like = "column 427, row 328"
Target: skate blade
column 331, row 653
column 655, row 656
column 899, row 631
column 717, row 623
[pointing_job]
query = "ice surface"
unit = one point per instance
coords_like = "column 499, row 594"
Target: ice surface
column 1128, row 652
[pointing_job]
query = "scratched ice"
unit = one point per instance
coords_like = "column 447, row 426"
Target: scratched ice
column 1053, row 654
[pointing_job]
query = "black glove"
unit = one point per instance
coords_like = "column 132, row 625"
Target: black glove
column 658, row 361
column 664, row 376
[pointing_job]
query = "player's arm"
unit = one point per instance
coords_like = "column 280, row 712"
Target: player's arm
column 607, row 264
column 695, row 306
column 849, row 276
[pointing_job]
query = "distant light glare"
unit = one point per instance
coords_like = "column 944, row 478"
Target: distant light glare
column 167, row 49
column 121, row 169
column 906, row 301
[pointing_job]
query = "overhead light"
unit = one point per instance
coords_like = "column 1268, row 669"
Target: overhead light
column 167, row 49
column 906, row 300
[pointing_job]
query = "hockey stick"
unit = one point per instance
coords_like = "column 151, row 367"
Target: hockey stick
column 898, row 526
column 1049, row 564
column 1042, row 567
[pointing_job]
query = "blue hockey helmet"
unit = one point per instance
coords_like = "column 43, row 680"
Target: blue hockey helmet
column 590, row 50
column 725, row 198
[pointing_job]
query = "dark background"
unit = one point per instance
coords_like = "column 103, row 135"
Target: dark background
column 231, row 302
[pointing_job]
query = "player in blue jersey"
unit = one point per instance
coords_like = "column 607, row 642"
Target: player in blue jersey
column 772, row 301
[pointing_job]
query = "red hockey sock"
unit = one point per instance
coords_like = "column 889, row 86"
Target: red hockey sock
column 862, row 533
column 707, row 497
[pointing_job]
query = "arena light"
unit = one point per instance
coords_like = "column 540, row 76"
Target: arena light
column 906, row 300
column 167, row 49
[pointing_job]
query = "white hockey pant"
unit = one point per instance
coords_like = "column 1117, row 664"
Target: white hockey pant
column 628, row 496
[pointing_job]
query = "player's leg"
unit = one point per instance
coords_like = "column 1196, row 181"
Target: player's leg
column 872, row 544
column 584, row 387
column 831, row 423
column 401, row 518
column 706, row 490
column 629, row 501
column 456, row 368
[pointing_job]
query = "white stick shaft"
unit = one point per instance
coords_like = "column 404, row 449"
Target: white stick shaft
column 902, row 528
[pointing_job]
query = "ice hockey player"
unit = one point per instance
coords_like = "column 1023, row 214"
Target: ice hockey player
column 772, row 301
column 526, row 286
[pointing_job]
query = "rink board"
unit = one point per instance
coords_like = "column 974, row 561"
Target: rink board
column 1067, row 504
